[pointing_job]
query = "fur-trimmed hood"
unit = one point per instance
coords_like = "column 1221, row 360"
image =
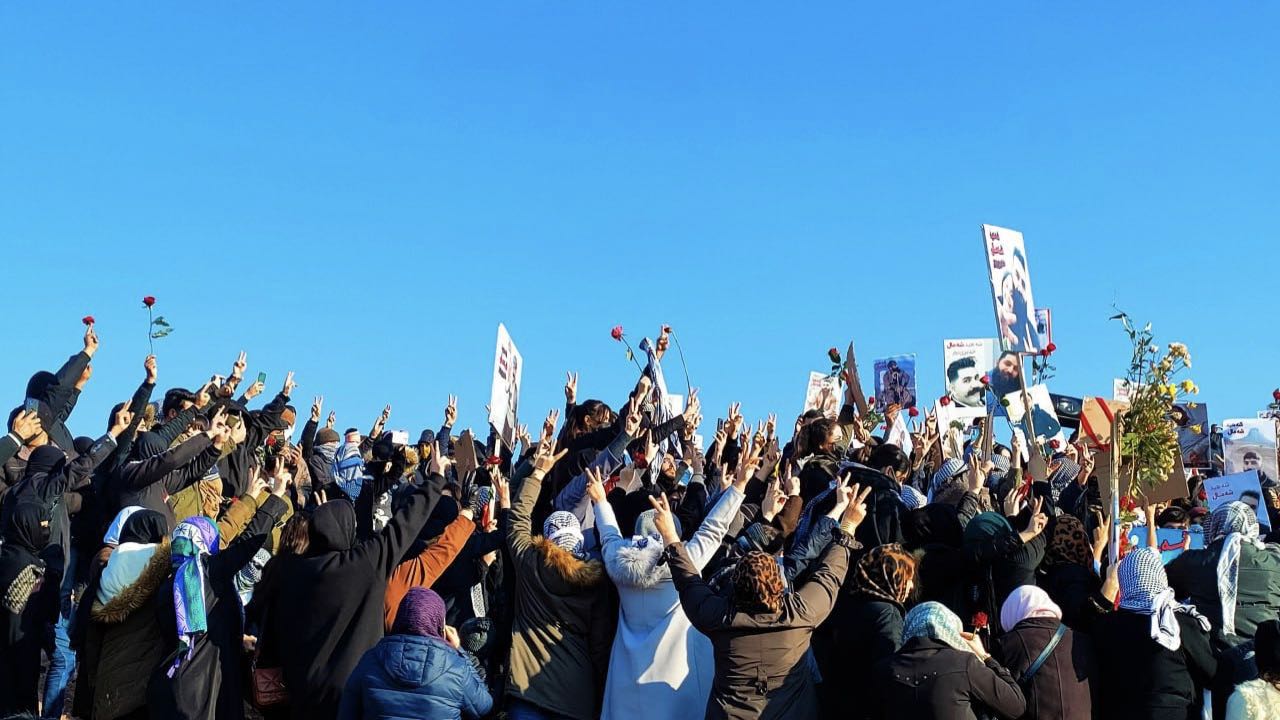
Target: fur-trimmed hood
column 578, row 574
column 158, row 569
column 1261, row 699
column 635, row 565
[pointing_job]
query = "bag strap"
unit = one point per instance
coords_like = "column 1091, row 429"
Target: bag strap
column 1044, row 655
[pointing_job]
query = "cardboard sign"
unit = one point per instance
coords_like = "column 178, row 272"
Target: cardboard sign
column 896, row 381
column 964, row 362
column 1244, row 487
column 1249, row 444
column 1192, row 420
column 504, row 397
column 1173, row 488
column 1169, row 542
column 1096, row 417
column 822, row 394
column 1011, row 289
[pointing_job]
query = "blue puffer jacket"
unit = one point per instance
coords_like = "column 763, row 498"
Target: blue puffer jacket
column 407, row 676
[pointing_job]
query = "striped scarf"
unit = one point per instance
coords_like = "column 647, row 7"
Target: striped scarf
column 193, row 540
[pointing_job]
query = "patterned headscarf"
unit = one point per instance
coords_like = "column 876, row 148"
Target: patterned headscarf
column 1237, row 523
column 1000, row 469
column 250, row 574
column 934, row 620
column 193, row 540
column 1066, row 473
column 563, row 529
column 1069, row 543
column 912, row 498
column 943, row 477
column 885, row 573
column 1144, row 588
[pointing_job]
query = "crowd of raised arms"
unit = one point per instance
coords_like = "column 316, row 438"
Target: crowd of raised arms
column 201, row 559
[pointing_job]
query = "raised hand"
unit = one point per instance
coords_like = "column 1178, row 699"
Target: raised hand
column 856, row 511
column 975, row 645
column 317, row 405
column 90, row 340
column 26, row 425
column 451, row 411
column 84, row 377
column 631, row 420
column 501, row 490
column 549, row 426
column 771, row 427
column 571, row 388
column 218, row 430
column 774, row 499
column 735, row 419
column 254, row 390
column 120, row 422
column 1038, row 521
column 693, row 409
column 595, row 485
column 546, row 458
column 333, row 417
column 149, row 365
column 663, row 519
column 238, row 367
column 289, row 385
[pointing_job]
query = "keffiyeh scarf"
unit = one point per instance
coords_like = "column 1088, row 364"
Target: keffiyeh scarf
column 193, row 540
column 1144, row 588
column 348, row 470
column 1237, row 523
column 563, row 529
column 934, row 620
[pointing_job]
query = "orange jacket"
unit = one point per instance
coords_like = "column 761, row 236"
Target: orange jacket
column 425, row 568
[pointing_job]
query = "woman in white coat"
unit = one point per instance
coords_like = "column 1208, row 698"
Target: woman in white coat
column 660, row 666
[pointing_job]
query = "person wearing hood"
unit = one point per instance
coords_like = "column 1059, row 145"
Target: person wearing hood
column 30, row 601
column 1259, row 699
column 867, row 625
column 1059, row 686
column 942, row 673
column 202, row 619
column 116, row 634
column 659, row 664
column 560, row 635
column 319, row 612
column 58, row 392
column 1154, row 655
column 1067, row 572
column 156, row 472
column 416, row 671
column 1235, row 579
column 760, row 633
column 1000, row 559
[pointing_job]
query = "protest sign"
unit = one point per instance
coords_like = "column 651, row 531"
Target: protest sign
column 822, row 394
column 1242, row 486
column 1011, row 289
column 1044, row 327
column 464, row 455
column 1043, row 419
column 1173, row 488
column 1121, row 390
column 899, row 434
column 1096, row 417
column 1005, row 377
column 895, row 381
column 1192, row 421
column 504, row 397
column 964, row 362
column 955, row 423
column 1249, row 444
column 1170, row 542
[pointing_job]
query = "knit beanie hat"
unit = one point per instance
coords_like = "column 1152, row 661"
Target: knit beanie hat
column 563, row 529
column 324, row 436
column 421, row 613
column 476, row 636
column 645, row 526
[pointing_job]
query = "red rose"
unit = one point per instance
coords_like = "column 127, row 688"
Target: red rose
column 1275, row 394
column 980, row 620
column 871, row 400
column 87, row 320
column 616, row 333
column 945, row 400
column 985, row 380
column 493, row 460
column 666, row 329
column 1054, row 444
column 834, row 354
column 1051, row 347
column 913, row 412
column 1203, row 494
column 148, row 301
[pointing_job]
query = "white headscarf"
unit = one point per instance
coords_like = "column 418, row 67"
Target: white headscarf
column 1027, row 601
column 113, row 532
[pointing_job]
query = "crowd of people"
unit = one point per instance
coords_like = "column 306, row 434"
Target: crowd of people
column 203, row 559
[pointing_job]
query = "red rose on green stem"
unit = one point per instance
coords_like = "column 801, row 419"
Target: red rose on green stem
column 87, row 320
column 148, row 301
column 871, row 400
column 834, row 354
column 1051, row 347
column 913, row 412
column 985, row 380
column 945, row 400
column 980, row 620
column 616, row 333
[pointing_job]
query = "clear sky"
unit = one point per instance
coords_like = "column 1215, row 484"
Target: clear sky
column 361, row 194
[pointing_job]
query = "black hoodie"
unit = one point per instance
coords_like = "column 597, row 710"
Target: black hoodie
column 26, row 535
column 155, row 472
column 320, row 612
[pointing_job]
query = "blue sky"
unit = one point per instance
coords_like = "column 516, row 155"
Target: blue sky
column 361, row 195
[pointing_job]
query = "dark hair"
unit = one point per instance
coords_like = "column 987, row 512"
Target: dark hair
column 1172, row 515
column 295, row 536
column 1251, row 454
column 1251, row 493
column 818, row 432
column 587, row 417
column 891, row 457
column 953, row 370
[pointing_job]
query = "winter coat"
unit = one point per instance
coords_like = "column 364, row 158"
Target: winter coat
column 149, row 480
column 324, row 610
column 865, row 630
column 1060, row 689
column 28, row 601
column 761, row 667
column 1194, row 574
column 409, row 676
column 1077, row 590
column 455, row 582
column 423, row 569
column 1254, row 700
column 560, row 635
column 1139, row 678
column 930, row 680
column 660, row 666
column 208, row 682
column 123, row 643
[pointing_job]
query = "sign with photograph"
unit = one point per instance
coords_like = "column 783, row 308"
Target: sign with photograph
column 1192, row 421
column 1043, row 419
column 896, row 381
column 1011, row 289
column 1044, row 326
column 955, row 425
column 1249, row 444
column 822, row 394
column 1170, row 542
column 964, row 362
column 1244, row 487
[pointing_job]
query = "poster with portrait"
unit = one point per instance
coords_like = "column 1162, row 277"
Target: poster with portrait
column 896, row 381
column 1043, row 418
column 955, row 426
column 1249, row 444
column 504, row 397
column 1192, row 421
column 964, row 362
column 822, row 394
column 1044, row 327
column 1011, row 289
column 1244, row 487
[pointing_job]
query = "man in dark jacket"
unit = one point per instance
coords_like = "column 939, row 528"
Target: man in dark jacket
column 155, row 472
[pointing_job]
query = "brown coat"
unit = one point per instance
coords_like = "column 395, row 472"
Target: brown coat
column 422, row 571
column 561, row 633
